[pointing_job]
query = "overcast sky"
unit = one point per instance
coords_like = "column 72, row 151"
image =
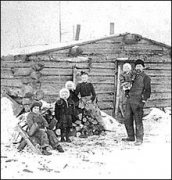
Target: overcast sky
column 28, row 23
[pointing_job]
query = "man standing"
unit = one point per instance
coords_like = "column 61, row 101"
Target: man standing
column 138, row 95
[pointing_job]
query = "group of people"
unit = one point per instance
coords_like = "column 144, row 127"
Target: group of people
column 74, row 100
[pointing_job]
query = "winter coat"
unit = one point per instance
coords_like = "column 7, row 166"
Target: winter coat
column 85, row 89
column 38, row 119
column 37, row 124
column 64, row 112
column 141, row 88
column 74, row 98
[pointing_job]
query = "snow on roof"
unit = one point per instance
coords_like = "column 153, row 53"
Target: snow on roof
column 40, row 49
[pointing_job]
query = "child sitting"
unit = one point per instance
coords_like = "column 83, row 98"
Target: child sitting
column 126, row 78
column 39, row 131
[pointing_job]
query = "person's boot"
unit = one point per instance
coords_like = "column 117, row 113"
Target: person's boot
column 67, row 135
column 128, row 139
column 67, row 138
column 45, row 152
column 62, row 139
column 62, row 136
column 59, row 148
column 138, row 142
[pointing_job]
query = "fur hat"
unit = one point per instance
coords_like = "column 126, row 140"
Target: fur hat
column 35, row 103
column 127, row 65
column 64, row 90
column 70, row 84
column 139, row 61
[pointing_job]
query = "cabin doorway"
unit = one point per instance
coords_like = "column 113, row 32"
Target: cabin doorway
column 119, row 96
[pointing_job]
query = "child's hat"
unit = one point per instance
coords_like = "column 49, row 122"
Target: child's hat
column 139, row 61
column 70, row 85
column 64, row 90
column 36, row 103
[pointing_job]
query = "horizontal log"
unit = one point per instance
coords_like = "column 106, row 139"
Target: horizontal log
column 11, row 82
column 161, row 79
column 142, row 47
column 51, row 89
column 56, row 72
column 155, row 96
column 16, row 64
column 6, row 73
column 160, row 88
column 67, row 72
column 158, row 103
column 158, row 72
column 158, row 66
column 105, row 97
column 156, row 58
column 105, row 105
column 55, row 79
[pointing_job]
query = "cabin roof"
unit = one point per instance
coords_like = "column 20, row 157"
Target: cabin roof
column 42, row 49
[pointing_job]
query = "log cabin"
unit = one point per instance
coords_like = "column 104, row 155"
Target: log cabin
column 102, row 58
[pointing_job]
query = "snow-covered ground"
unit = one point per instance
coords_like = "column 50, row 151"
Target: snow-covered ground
column 104, row 156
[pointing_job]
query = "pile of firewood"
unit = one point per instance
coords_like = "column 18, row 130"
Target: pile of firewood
column 87, row 125
column 84, row 126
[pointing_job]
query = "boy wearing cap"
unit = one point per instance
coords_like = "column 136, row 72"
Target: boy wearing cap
column 64, row 109
column 39, row 132
column 37, row 127
column 138, row 95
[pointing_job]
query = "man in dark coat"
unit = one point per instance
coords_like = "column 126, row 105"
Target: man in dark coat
column 138, row 95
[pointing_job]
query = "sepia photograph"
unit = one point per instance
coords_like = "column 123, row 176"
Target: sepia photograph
column 85, row 89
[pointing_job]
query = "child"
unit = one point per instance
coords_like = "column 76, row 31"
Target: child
column 88, row 98
column 71, row 87
column 38, row 127
column 64, row 109
column 39, row 130
column 126, row 78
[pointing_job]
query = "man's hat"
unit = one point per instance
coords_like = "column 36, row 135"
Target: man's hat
column 139, row 61
column 83, row 73
column 35, row 103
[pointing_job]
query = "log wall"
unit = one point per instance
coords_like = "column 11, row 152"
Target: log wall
column 99, row 60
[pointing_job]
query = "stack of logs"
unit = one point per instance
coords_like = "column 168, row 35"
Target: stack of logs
column 85, row 125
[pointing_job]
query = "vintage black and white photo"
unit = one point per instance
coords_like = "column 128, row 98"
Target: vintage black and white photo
column 85, row 89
